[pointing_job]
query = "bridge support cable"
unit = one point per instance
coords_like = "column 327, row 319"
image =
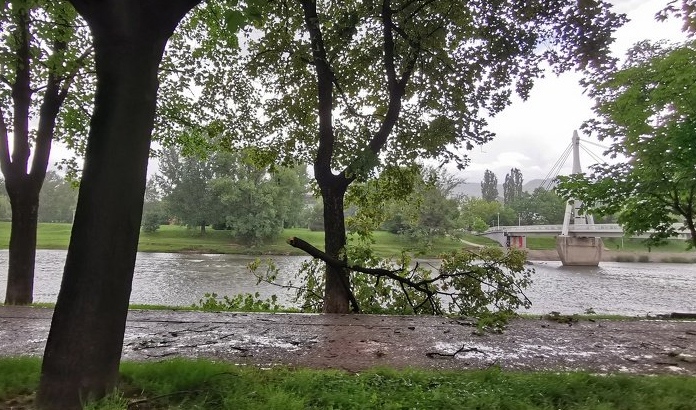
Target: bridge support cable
column 557, row 166
column 592, row 155
column 604, row 147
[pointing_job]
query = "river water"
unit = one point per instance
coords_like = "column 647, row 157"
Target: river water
column 182, row 279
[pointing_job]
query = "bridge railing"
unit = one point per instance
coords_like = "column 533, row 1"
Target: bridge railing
column 554, row 228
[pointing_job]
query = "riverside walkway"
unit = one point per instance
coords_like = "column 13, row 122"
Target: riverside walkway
column 359, row 342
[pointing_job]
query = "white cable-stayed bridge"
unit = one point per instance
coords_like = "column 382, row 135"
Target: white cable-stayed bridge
column 578, row 239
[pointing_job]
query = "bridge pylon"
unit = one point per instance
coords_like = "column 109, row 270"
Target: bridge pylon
column 577, row 250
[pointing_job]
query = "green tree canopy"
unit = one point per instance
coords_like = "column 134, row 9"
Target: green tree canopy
column 489, row 186
column 475, row 210
column 58, row 199
column 541, row 207
column 257, row 203
column 647, row 110
column 512, row 187
column 227, row 190
column 429, row 211
column 185, row 184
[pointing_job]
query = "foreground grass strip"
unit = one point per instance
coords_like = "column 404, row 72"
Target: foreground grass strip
column 187, row 384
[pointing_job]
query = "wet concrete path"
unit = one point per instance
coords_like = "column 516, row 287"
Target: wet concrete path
column 358, row 342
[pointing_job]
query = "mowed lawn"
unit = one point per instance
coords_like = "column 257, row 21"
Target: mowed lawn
column 173, row 238
column 199, row 384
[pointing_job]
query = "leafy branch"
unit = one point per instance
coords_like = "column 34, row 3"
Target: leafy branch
column 426, row 286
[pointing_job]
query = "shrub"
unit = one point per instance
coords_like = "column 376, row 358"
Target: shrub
column 151, row 222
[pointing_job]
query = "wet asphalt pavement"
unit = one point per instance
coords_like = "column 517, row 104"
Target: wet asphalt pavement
column 358, row 342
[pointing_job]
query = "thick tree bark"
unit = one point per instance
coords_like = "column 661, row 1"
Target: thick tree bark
column 20, row 277
column 84, row 344
column 337, row 293
column 23, row 190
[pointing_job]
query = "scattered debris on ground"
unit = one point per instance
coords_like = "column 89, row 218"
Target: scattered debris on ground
column 357, row 342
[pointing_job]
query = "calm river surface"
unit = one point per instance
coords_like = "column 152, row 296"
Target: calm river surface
column 182, row 279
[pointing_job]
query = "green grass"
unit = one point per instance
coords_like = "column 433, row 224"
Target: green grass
column 171, row 238
column 187, row 384
column 635, row 244
column 541, row 243
column 49, row 235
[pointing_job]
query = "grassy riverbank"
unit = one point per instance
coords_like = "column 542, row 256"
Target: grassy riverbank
column 207, row 385
column 180, row 239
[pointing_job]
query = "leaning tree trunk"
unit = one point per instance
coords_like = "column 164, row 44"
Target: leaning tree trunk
column 84, row 344
column 337, row 287
column 22, row 252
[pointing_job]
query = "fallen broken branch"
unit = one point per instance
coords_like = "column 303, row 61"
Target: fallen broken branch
column 462, row 349
column 413, row 282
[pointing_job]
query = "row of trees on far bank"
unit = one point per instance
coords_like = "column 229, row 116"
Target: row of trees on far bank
column 517, row 207
column 512, row 187
column 226, row 191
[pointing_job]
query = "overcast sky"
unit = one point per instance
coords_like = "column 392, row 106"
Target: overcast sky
column 532, row 134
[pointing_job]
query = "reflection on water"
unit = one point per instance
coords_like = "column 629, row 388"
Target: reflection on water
column 182, row 279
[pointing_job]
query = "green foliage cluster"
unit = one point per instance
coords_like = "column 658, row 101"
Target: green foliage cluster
column 541, row 207
column 246, row 302
column 58, row 199
column 489, row 186
column 201, row 384
column 151, row 222
column 423, row 211
column 512, row 187
column 229, row 192
column 488, row 284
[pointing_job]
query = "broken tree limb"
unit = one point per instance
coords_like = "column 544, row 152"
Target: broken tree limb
column 462, row 349
column 421, row 286
column 334, row 262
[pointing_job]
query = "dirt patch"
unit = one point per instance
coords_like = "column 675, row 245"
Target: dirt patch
column 358, row 342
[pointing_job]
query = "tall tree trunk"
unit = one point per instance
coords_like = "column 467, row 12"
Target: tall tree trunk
column 22, row 187
column 84, row 344
column 337, row 287
column 20, row 275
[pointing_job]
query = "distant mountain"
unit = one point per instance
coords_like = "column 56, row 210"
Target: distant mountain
column 534, row 184
column 473, row 189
